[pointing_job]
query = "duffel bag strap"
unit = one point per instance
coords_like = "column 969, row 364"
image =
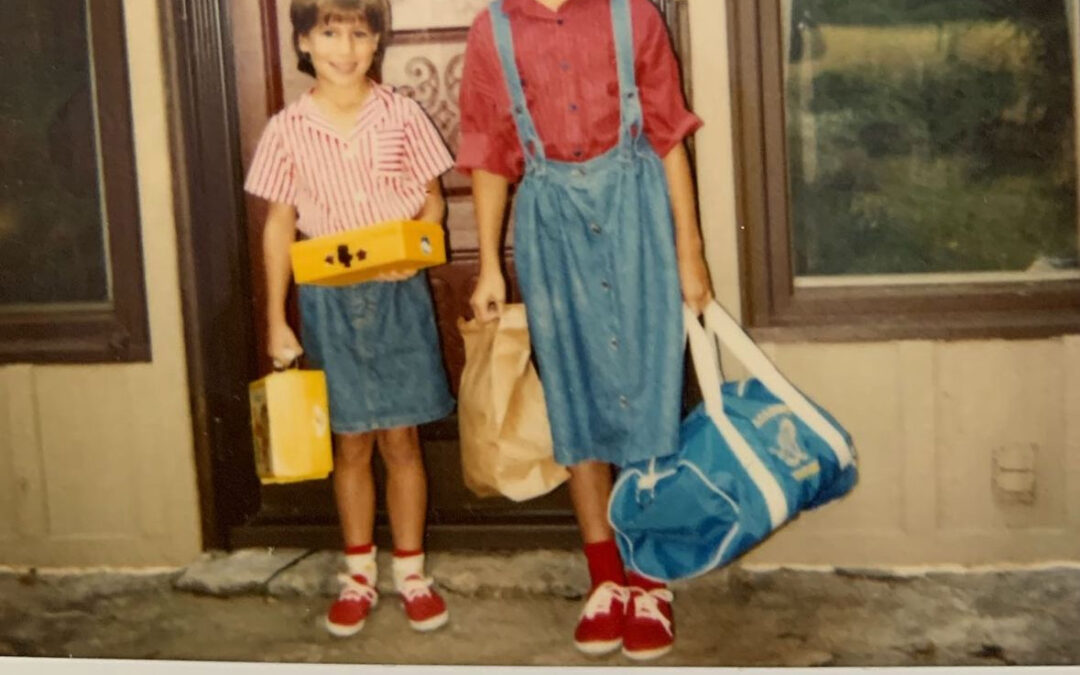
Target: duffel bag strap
column 731, row 335
column 707, row 367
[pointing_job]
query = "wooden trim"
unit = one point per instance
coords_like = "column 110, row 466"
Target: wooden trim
column 115, row 331
column 214, row 278
column 774, row 307
column 428, row 36
column 275, row 88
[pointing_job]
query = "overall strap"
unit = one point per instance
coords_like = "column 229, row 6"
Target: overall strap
column 629, row 99
column 531, row 146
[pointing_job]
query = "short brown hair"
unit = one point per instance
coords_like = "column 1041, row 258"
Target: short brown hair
column 307, row 14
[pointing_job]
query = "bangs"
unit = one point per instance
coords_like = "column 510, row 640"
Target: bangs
column 332, row 14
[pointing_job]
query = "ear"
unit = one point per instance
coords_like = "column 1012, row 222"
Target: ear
column 304, row 42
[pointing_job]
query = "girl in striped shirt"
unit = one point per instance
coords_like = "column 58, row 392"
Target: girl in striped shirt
column 351, row 153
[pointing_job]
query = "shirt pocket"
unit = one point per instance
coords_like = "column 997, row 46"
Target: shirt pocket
column 388, row 153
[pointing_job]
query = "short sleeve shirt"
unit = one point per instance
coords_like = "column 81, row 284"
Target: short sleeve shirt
column 568, row 70
column 379, row 172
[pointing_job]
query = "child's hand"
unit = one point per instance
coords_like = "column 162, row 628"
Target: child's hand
column 396, row 276
column 489, row 297
column 283, row 346
column 694, row 279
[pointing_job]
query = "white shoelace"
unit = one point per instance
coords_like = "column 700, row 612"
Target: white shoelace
column 603, row 597
column 415, row 587
column 354, row 590
column 647, row 605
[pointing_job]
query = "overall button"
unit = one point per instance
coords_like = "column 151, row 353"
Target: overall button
column 596, row 229
column 624, row 402
column 605, row 285
column 615, row 343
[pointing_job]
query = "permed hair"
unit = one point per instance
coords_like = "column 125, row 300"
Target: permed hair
column 307, row 14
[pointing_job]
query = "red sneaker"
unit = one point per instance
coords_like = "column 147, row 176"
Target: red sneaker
column 348, row 613
column 423, row 605
column 600, row 628
column 650, row 625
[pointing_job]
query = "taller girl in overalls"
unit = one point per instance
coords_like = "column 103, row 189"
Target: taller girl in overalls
column 583, row 98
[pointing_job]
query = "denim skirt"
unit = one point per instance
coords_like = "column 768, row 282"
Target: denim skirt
column 378, row 345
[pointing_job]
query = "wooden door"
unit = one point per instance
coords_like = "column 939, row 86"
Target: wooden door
column 424, row 61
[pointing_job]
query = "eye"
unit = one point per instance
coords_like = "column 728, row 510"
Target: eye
column 360, row 34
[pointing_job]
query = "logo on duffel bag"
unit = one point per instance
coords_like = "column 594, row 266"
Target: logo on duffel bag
column 786, row 447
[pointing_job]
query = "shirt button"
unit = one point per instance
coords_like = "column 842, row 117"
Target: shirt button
column 565, row 65
column 360, row 197
column 560, row 21
column 573, row 107
column 624, row 402
column 595, row 228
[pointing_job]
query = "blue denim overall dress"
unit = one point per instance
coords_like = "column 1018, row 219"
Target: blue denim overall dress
column 595, row 256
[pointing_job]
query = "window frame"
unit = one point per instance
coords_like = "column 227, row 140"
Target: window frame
column 114, row 331
column 775, row 309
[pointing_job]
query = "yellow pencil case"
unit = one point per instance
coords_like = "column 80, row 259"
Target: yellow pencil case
column 360, row 255
column 291, row 426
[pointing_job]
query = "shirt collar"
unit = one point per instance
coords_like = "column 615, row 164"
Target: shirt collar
column 535, row 9
column 373, row 111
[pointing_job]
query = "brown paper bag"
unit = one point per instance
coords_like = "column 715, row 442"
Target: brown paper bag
column 506, row 444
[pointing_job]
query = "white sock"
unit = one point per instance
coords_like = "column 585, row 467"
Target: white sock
column 363, row 564
column 407, row 567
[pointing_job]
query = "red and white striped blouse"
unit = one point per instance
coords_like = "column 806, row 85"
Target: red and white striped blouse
column 378, row 172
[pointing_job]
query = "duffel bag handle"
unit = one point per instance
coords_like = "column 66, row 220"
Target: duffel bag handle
column 707, row 368
column 730, row 334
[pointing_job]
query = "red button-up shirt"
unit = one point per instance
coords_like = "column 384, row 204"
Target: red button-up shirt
column 567, row 64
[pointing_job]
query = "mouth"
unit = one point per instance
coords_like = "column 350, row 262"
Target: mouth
column 347, row 68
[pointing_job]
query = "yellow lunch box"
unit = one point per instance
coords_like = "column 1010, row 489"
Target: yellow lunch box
column 360, row 255
column 290, row 423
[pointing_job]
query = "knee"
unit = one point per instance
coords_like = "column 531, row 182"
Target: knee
column 354, row 450
column 399, row 447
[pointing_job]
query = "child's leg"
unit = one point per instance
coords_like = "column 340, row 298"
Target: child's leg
column 406, row 485
column 354, row 491
column 406, row 500
column 600, row 627
column 354, row 488
column 590, row 487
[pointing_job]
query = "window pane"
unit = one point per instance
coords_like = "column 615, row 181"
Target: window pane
column 52, row 243
column 931, row 136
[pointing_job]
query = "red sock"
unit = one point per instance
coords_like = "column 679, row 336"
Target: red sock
column 645, row 583
column 402, row 553
column 359, row 550
column 605, row 564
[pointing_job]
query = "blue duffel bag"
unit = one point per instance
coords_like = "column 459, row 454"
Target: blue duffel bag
column 753, row 455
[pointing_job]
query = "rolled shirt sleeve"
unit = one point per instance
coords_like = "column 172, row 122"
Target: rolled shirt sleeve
column 426, row 154
column 272, row 175
column 489, row 139
column 667, row 119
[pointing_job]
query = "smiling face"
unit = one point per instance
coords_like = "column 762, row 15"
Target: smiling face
column 341, row 49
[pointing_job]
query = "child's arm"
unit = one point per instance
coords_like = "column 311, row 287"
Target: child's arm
column 489, row 197
column 278, row 235
column 693, row 274
column 434, row 209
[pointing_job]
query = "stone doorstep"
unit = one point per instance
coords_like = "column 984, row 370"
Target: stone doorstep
column 296, row 572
